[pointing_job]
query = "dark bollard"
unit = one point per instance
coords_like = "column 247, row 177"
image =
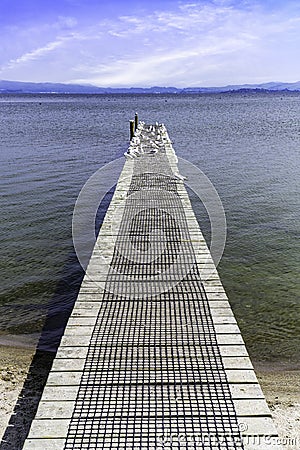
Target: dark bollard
column 136, row 121
column 131, row 129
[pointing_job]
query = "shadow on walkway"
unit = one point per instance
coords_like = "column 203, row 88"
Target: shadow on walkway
column 27, row 403
column 59, row 310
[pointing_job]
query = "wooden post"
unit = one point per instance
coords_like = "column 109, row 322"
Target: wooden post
column 136, row 120
column 131, row 129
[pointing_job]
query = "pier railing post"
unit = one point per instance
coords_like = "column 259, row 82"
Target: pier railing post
column 131, row 129
column 136, row 121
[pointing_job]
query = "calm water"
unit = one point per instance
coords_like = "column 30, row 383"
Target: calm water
column 248, row 145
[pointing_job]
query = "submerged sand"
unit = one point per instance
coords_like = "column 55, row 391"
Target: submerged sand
column 281, row 387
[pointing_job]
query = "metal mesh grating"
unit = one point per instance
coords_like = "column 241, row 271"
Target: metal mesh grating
column 150, row 181
column 153, row 377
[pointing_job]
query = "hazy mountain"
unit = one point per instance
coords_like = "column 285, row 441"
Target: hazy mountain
column 17, row 87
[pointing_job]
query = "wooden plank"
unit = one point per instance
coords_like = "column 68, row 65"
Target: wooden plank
column 49, row 429
column 237, row 362
column 240, row 376
column 216, row 296
column 64, row 379
column 68, row 364
column 71, row 352
column 229, row 339
column 44, row 444
column 218, row 302
column 85, row 303
column 60, row 393
column 73, row 341
column 226, row 328
column 251, row 407
column 254, row 426
column 79, row 321
column 246, row 391
column 62, row 409
column 84, row 330
column 58, row 410
column 233, row 351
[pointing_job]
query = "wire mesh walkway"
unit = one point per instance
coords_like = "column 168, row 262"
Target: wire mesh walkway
column 157, row 370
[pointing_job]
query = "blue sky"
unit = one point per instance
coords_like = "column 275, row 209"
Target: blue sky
column 142, row 43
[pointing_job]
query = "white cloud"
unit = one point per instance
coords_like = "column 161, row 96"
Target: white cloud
column 168, row 65
column 190, row 37
column 35, row 54
column 194, row 43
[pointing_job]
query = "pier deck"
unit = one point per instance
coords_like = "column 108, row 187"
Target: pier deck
column 152, row 356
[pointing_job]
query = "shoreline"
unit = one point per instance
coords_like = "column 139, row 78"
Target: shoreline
column 15, row 361
column 279, row 382
column 281, row 388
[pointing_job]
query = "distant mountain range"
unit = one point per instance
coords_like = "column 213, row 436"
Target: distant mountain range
column 18, row 87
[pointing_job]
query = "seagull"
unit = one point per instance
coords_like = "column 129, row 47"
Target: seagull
column 134, row 152
column 180, row 177
column 153, row 144
column 136, row 140
column 128, row 156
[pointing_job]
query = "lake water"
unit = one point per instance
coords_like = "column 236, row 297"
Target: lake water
column 247, row 144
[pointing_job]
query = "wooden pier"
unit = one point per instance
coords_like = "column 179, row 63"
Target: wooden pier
column 152, row 356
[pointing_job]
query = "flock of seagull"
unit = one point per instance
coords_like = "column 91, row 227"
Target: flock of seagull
column 145, row 140
column 149, row 140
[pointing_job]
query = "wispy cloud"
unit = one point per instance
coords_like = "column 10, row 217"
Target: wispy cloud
column 170, row 66
column 34, row 54
column 189, row 43
column 190, row 36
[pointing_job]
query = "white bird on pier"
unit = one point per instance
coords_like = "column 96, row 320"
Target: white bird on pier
column 135, row 152
column 135, row 140
column 179, row 176
column 153, row 144
column 128, row 155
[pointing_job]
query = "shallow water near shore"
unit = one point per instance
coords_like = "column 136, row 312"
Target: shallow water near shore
column 247, row 144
